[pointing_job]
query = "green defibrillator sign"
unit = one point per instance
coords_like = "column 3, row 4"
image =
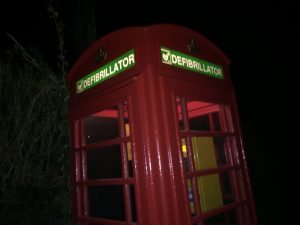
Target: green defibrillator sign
column 107, row 71
column 191, row 63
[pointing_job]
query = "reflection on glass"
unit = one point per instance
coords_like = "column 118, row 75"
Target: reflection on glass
column 104, row 163
column 228, row 217
column 106, row 202
column 102, row 125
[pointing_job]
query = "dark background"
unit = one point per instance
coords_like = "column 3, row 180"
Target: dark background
column 260, row 38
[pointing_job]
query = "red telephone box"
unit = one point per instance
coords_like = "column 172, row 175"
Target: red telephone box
column 155, row 136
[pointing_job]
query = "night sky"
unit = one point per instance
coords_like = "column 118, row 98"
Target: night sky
column 261, row 39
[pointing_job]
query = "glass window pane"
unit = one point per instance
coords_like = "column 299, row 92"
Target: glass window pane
column 204, row 152
column 198, row 113
column 185, row 155
column 215, row 190
column 127, row 130
column 133, row 205
column 191, row 194
column 126, row 119
column 209, row 152
column 106, row 202
column 220, row 151
column 104, row 163
column 210, row 192
column 227, row 187
column 216, row 121
column 200, row 123
column 180, row 103
column 102, row 125
column 128, row 148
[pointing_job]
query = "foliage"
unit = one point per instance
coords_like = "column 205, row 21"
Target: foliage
column 34, row 168
column 59, row 27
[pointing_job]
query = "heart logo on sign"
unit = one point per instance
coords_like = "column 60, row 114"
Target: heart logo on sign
column 166, row 56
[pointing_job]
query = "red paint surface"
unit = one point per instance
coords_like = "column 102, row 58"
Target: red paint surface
column 150, row 87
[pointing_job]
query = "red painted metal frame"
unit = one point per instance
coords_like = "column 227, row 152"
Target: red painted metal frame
column 81, row 179
column 231, row 166
column 151, row 88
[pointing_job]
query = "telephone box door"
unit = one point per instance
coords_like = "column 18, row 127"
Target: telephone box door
column 210, row 153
